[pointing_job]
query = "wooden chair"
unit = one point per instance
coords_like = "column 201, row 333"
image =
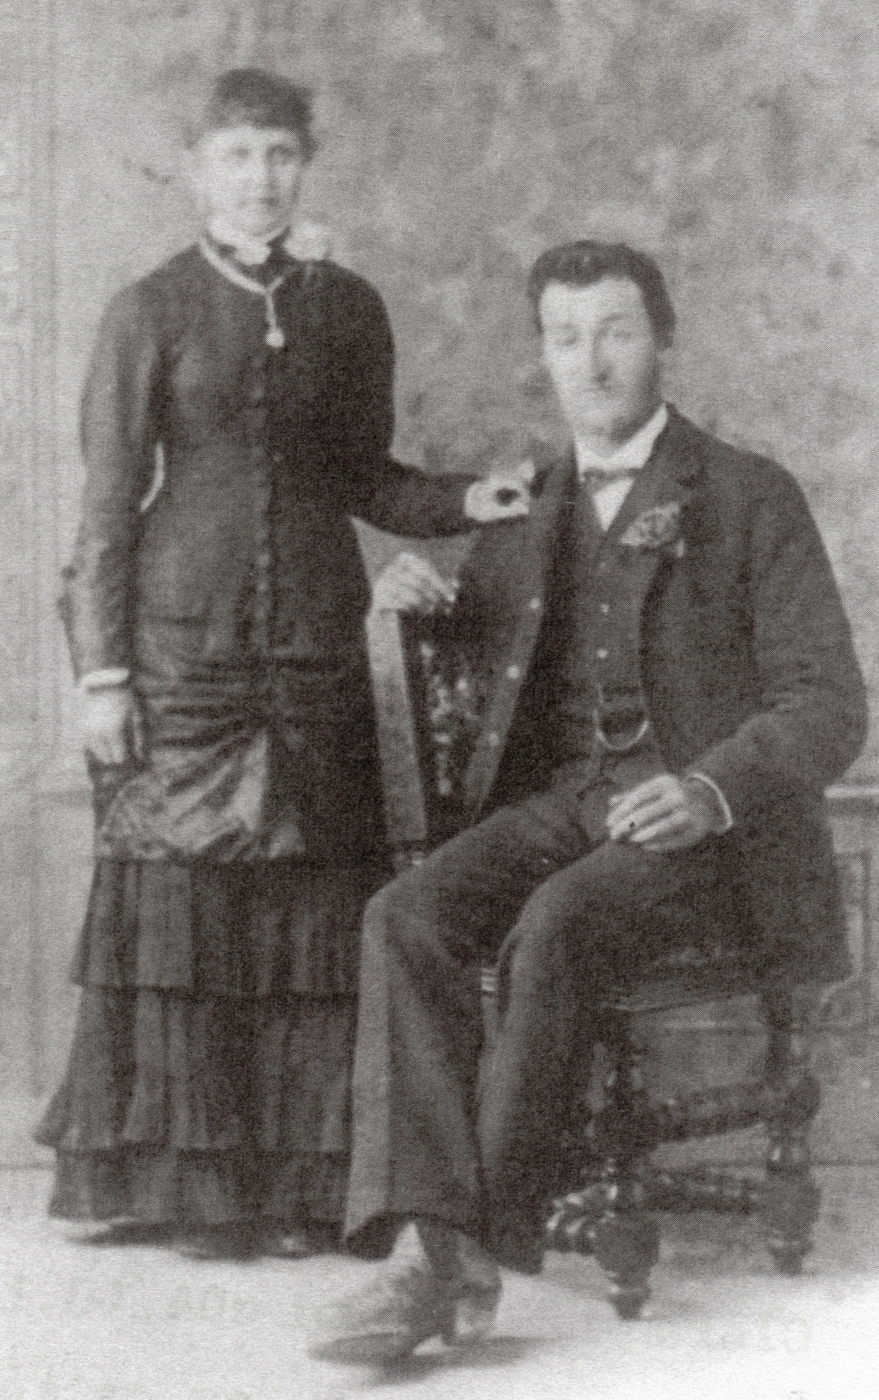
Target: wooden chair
column 424, row 726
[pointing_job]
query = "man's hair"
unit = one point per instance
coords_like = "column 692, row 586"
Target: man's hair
column 587, row 261
column 253, row 97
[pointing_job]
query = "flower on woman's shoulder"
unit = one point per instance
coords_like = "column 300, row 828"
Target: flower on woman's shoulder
column 657, row 528
column 310, row 241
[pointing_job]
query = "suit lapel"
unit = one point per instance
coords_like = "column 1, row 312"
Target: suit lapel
column 548, row 513
column 667, row 481
column 556, row 482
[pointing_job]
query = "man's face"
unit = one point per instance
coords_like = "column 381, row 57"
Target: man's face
column 601, row 353
column 249, row 177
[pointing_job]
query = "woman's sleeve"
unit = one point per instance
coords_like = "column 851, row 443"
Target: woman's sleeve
column 118, row 436
column 388, row 494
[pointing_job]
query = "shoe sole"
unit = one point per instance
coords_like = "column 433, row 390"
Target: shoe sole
column 370, row 1349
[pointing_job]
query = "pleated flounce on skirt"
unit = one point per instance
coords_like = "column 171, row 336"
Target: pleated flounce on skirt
column 208, row 1080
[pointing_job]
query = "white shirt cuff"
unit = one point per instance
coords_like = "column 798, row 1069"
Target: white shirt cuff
column 110, row 675
column 722, row 803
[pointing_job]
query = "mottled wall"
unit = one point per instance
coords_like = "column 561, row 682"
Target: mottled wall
column 738, row 140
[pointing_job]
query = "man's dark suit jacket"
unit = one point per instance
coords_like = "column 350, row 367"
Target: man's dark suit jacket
column 747, row 668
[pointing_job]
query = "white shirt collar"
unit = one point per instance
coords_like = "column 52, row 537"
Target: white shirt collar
column 250, row 251
column 631, row 455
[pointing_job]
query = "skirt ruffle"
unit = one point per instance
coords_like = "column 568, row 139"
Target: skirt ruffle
column 175, row 1110
column 239, row 930
column 188, row 1190
column 208, row 1080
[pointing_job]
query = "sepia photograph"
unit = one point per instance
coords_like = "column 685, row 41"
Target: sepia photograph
column 439, row 768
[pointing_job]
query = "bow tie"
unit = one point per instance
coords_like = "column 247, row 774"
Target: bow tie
column 596, row 477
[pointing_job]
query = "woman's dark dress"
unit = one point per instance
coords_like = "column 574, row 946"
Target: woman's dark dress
column 217, row 563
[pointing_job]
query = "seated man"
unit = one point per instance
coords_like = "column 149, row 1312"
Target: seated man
column 669, row 685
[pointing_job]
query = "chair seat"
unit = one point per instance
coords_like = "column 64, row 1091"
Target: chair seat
column 689, row 975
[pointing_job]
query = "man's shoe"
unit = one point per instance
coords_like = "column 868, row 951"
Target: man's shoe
column 425, row 1289
column 385, row 1320
column 478, row 1290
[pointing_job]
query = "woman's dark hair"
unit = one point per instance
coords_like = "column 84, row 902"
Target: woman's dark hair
column 586, row 261
column 254, row 97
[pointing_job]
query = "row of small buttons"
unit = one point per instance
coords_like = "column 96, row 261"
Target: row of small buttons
column 512, row 673
column 263, row 600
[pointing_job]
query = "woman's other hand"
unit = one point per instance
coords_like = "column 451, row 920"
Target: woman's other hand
column 112, row 727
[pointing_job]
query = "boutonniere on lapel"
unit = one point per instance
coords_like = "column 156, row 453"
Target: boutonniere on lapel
column 658, row 528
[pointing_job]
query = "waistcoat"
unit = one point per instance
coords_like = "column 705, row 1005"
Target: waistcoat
column 599, row 701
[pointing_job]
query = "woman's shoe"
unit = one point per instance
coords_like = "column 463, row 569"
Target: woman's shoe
column 212, row 1242
column 284, row 1239
column 281, row 1240
column 418, row 1293
column 124, row 1231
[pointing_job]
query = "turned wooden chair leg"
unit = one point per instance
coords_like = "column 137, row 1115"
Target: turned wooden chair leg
column 625, row 1237
column 791, row 1196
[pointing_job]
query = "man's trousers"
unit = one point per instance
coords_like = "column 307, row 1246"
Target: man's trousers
column 564, row 915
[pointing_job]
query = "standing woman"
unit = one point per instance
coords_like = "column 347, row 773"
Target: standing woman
column 237, row 413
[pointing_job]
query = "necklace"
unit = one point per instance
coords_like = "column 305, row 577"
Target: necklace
column 274, row 333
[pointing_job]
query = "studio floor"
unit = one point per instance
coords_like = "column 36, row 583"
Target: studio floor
column 83, row 1322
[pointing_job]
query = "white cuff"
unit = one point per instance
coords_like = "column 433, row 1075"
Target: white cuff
column 108, row 676
column 467, row 505
column 722, row 803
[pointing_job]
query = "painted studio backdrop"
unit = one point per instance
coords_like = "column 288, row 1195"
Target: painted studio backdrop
column 737, row 140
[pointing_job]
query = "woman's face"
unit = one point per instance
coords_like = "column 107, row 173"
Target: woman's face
column 249, row 177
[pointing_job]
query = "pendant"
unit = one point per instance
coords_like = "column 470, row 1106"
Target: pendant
column 275, row 338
